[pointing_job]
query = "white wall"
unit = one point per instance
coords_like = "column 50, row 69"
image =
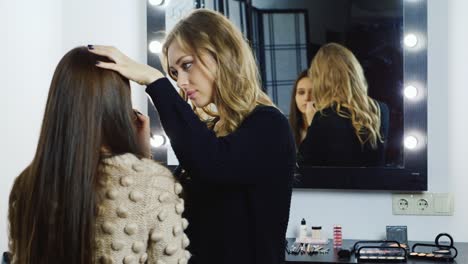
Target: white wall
column 38, row 33
column 29, row 55
column 457, row 118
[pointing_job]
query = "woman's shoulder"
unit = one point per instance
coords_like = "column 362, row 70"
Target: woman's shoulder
column 267, row 117
column 267, row 111
column 145, row 174
column 331, row 113
column 383, row 107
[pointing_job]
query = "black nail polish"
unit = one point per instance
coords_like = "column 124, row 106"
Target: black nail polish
column 91, row 47
column 97, row 62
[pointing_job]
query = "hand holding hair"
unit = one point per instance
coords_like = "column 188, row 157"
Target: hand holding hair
column 142, row 124
column 137, row 72
column 310, row 112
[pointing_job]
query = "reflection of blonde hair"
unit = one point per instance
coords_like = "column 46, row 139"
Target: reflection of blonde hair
column 237, row 82
column 339, row 82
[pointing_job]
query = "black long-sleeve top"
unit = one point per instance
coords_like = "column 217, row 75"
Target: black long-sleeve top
column 239, row 191
column 332, row 141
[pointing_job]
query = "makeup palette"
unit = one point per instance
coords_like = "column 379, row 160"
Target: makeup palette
column 437, row 251
column 379, row 251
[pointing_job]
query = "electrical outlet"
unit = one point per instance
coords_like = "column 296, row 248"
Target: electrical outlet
column 422, row 204
column 403, row 204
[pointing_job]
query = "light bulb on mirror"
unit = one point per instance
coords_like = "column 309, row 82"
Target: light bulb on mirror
column 411, row 142
column 410, row 92
column 155, row 46
column 157, row 141
column 410, row 40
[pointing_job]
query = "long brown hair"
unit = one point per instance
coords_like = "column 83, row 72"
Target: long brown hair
column 296, row 119
column 339, row 82
column 52, row 204
column 237, row 80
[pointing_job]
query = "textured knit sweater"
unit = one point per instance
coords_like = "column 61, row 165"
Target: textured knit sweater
column 238, row 192
column 139, row 216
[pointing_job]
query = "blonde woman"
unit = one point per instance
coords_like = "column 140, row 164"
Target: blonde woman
column 349, row 128
column 239, row 161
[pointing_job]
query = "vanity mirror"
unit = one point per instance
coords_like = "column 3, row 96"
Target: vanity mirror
column 388, row 37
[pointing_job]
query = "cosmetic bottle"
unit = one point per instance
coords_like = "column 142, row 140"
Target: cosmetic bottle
column 303, row 230
column 316, row 232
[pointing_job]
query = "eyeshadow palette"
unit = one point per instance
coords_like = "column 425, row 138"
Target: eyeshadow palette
column 431, row 256
column 381, row 254
column 379, row 251
column 441, row 252
column 438, row 251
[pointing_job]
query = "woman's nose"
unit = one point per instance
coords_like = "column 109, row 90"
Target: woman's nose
column 182, row 81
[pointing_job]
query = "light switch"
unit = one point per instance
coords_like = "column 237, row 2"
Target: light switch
column 443, row 203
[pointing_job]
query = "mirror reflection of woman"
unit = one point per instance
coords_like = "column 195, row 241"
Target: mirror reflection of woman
column 349, row 128
column 302, row 108
column 92, row 194
column 239, row 162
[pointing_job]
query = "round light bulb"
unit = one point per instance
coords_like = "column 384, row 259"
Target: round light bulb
column 156, row 2
column 411, row 40
column 155, row 46
column 157, row 141
column 410, row 92
column 411, row 142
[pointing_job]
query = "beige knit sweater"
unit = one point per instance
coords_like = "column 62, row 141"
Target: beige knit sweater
column 139, row 214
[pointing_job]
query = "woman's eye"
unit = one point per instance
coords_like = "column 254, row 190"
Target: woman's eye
column 300, row 93
column 186, row 65
column 174, row 74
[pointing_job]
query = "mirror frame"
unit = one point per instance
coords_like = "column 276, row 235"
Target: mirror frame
column 412, row 176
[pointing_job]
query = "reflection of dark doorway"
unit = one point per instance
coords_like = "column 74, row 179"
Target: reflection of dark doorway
column 235, row 10
column 279, row 40
column 280, row 44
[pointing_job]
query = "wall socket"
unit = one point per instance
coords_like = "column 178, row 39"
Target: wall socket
column 422, row 204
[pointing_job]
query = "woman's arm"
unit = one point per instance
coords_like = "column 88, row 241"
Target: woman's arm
column 263, row 140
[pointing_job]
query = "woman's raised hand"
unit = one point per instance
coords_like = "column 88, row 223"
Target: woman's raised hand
column 143, row 133
column 137, row 72
column 310, row 112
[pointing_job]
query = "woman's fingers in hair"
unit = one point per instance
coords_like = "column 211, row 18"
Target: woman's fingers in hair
column 107, row 65
column 107, row 51
column 137, row 72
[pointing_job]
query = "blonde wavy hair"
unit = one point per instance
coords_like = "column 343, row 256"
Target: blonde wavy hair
column 237, row 79
column 339, row 82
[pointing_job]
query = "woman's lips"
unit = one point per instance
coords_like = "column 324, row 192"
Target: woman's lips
column 191, row 94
